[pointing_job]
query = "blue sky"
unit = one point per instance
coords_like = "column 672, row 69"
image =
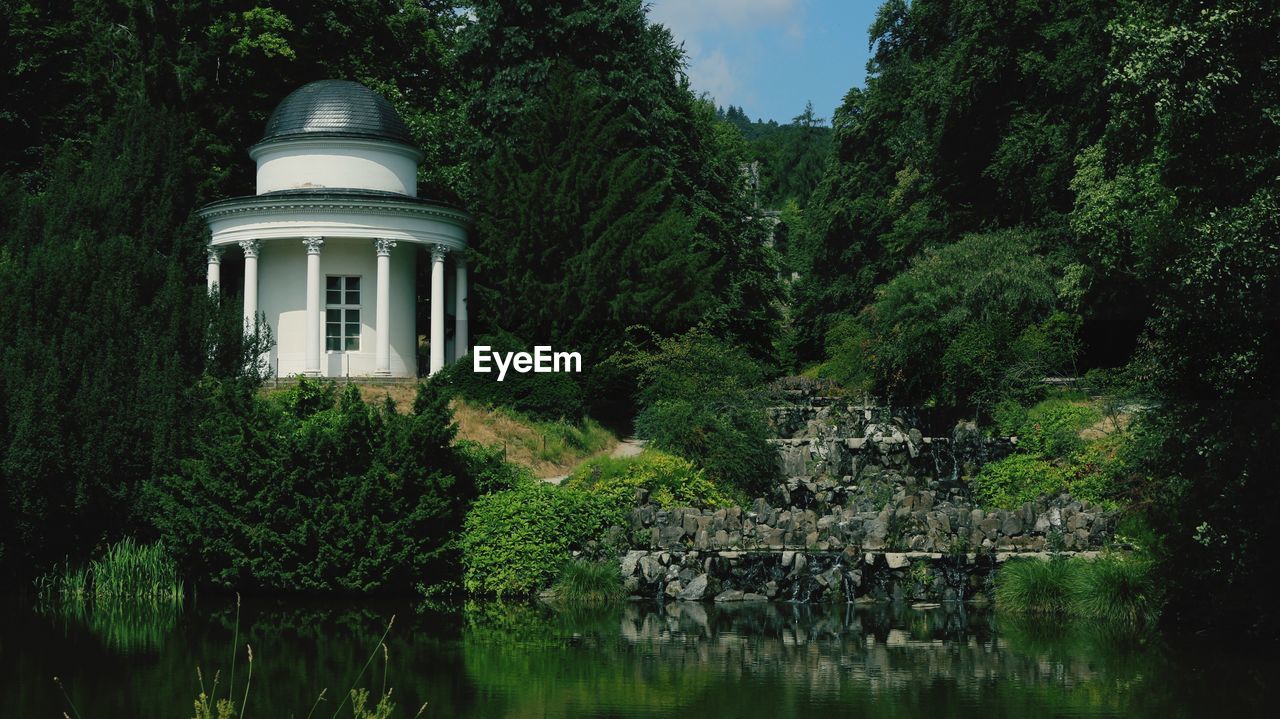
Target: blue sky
column 771, row 56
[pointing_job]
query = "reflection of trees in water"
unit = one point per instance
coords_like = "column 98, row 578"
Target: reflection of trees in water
column 535, row 661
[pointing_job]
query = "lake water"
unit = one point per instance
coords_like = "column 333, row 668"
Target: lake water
column 630, row 660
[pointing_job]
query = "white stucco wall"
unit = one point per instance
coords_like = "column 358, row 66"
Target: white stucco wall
column 336, row 163
column 282, row 287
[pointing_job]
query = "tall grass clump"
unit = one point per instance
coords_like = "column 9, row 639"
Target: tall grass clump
column 127, row 571
column 586, row 582
column 1032, row 586
column 1119, row 589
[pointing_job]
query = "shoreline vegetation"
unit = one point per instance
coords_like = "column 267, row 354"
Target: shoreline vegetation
column 1049, row 221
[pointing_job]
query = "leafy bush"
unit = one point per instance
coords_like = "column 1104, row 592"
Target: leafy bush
column 488, row 468
column 948, row 329
column 1017, row 479
column 850, row 358
column 298, row 494
column 515, row 541
column 545, row 396
column 671, row 481
column 1053, row 457
column 1052, row 427
column 582, row 581
column 702, row 398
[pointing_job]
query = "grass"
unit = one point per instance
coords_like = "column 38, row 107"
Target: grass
column 127, row 571
column 589, row 583
column 1031, row 586
column 1113, row 588
column 549, row 449
column 1119, row 589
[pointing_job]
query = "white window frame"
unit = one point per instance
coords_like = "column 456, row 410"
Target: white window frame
column 345, row 309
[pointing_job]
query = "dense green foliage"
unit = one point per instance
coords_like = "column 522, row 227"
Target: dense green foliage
column 703, row 399
column 789, row 158
column 1053, row 456
column 950, row 328
column 1019, row 190
column 1017, row 479
column 1133, row 148
column 670, row 481
column 303, row 493
column 515, row 541
column 543, row 396
column 970, row 121
column 1113, row 588
column 606, row 194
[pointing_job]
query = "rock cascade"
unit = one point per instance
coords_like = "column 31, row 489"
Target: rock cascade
column 869, row 507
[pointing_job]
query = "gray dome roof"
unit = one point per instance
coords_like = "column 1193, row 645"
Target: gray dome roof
column 336, row 108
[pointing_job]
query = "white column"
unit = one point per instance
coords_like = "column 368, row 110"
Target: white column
column 460, row 339
column 250, row 248
column 437, row 307
column 313, row 245
column 382, row 357
column 215, row 267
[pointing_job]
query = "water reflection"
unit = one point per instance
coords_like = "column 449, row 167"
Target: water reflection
column 630, row 660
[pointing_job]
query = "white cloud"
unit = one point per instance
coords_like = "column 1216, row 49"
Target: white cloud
column 712, row 74
column 712, row 29
column 686, row 17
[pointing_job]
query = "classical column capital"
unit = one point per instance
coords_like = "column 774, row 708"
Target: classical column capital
column 313, row 244
column 383, row 246
column 250, row 247
column 215, row 254
column 460, row 258
column 438, row 252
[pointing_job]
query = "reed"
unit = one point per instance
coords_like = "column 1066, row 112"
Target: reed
column 1119, row 589
column 127, row 571
column 586, row 582
column 1032, row 586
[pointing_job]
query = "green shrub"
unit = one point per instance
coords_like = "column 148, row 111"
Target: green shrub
column 670, row 480
column 1117, row 588
column 1098, row 470
column 1032, row 586
column 1017, row 479
column 850, row 359
column 1052, row 428
column 703, row 399
column 545, row 396
column 730, row 443
column 300, row 495
column 560, row 439
column 948, row 328
column 515, row 541
column 488, row 468
column 585, row 582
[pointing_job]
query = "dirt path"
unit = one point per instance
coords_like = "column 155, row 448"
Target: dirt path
column 626, row 447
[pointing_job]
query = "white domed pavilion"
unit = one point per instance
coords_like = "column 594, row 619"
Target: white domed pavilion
column 330, row 240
